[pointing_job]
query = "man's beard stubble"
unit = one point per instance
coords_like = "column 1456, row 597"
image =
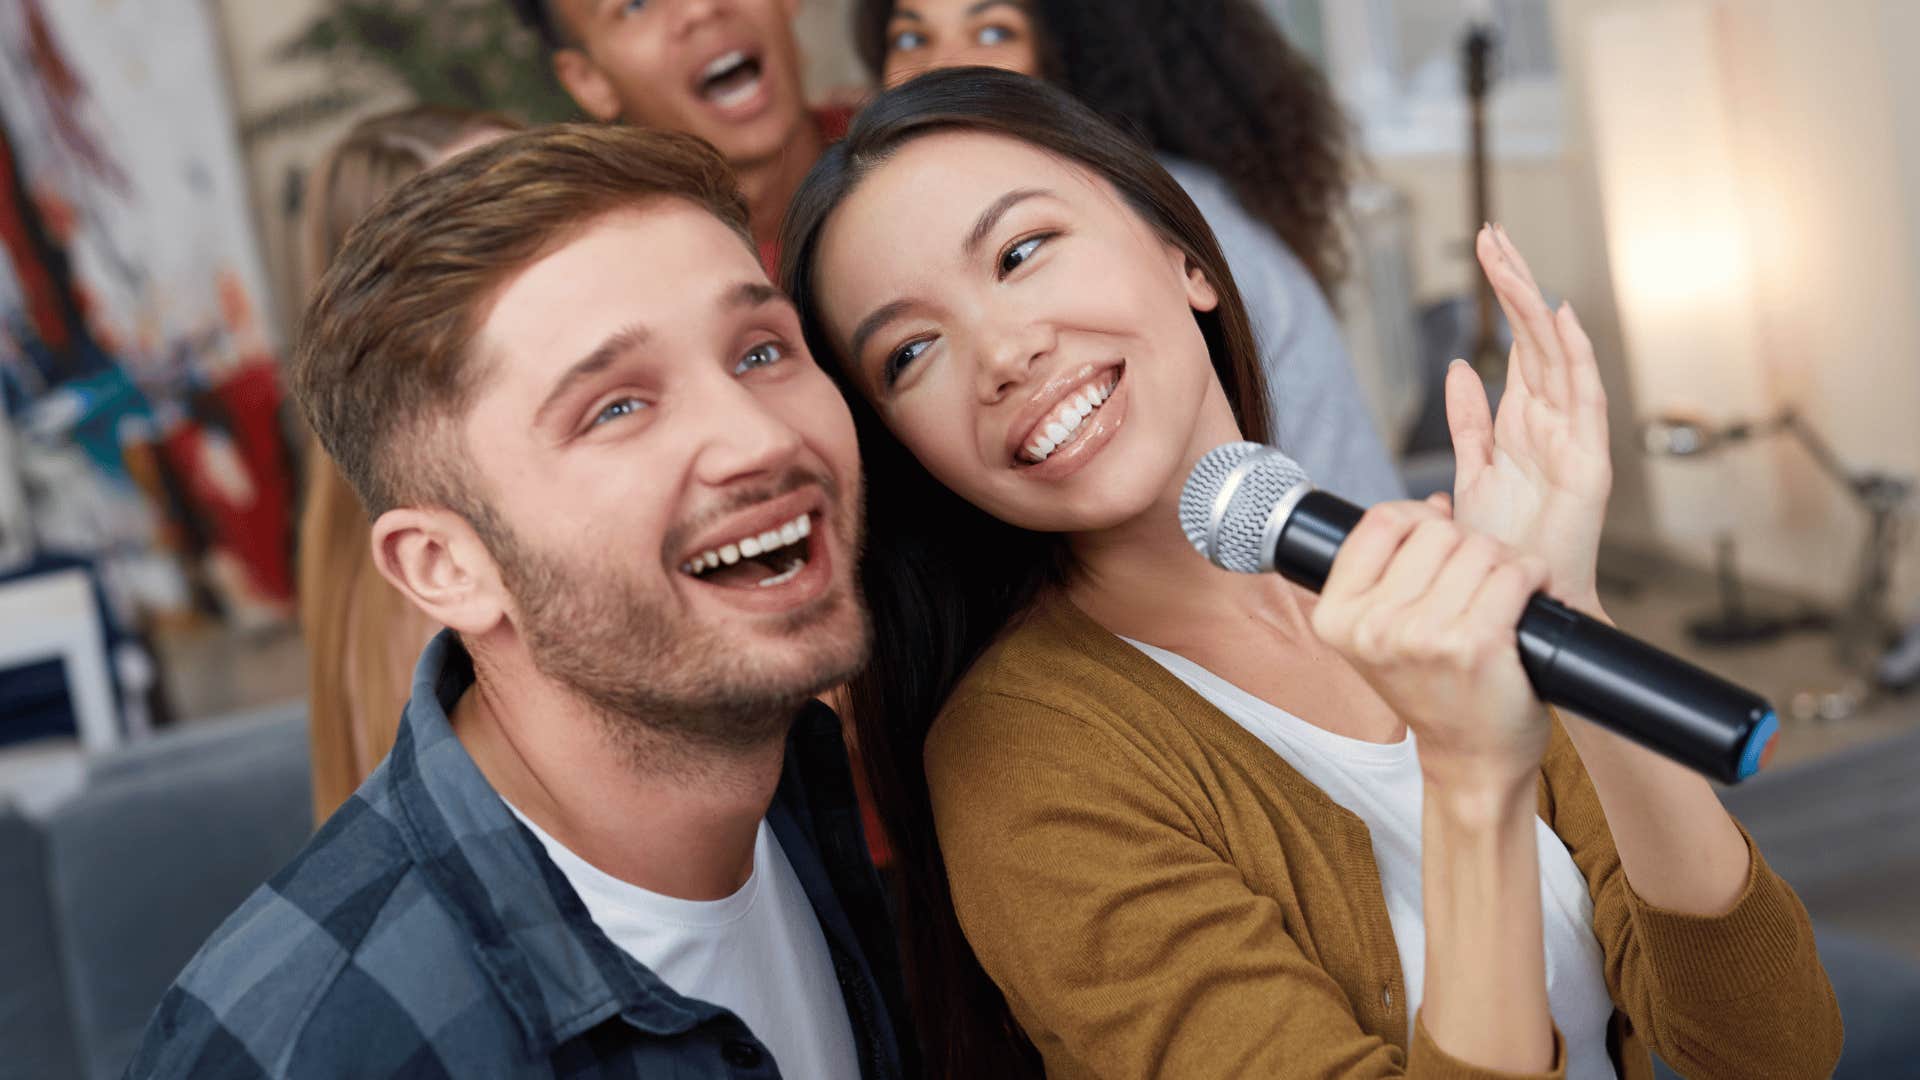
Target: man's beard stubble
column 650, row 670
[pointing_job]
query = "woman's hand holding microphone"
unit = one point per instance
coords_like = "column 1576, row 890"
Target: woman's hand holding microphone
column 1423, row 600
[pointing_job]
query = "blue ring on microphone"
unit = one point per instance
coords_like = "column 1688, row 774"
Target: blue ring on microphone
column 1756, row 747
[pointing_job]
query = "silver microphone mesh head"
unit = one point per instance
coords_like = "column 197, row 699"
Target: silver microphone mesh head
column 1228, row 498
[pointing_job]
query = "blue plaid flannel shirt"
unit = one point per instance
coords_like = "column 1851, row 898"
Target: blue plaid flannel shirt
column 424, row 933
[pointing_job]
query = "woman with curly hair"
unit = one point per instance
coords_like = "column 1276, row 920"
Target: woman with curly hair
column 1245, row 123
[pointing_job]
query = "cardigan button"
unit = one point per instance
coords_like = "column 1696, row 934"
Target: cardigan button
column 1386, row 996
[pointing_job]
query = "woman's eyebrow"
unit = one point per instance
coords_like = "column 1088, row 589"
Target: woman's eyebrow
column 983, row 227
column 873, row 324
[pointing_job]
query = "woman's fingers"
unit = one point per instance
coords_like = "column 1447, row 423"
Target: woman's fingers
column 1589, row 395
column 1414, row 568
column 1367, row 550
column 1503, row 594
column 1347, row 615
column 1460, row 578
column 1470, row 421
column 1536, row 339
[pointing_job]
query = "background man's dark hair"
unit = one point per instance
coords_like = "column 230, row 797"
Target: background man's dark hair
column 539, row 15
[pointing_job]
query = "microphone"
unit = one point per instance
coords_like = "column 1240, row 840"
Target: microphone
column 1250, row 509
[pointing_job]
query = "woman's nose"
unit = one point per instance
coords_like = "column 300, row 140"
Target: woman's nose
column 1010, row 359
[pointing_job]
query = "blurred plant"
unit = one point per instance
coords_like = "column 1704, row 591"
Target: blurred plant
column 469, row 53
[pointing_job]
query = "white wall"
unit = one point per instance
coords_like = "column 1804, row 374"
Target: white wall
column 1827, row 142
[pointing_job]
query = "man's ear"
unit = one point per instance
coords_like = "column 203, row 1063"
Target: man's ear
column 436, row 560
column 588, row 85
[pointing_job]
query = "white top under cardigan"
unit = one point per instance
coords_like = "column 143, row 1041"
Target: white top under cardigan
column 1381, row 784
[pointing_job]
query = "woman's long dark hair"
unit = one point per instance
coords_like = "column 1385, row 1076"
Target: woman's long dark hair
column 943, row 578
column 1212, row 81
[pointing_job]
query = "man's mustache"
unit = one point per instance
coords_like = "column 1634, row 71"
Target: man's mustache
column 748, row 496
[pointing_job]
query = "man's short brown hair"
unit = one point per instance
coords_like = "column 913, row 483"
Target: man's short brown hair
column 383, row 366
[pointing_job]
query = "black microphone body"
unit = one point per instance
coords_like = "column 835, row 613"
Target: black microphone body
column 1573, row 661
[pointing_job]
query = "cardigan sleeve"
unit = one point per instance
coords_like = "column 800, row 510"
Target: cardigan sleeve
column 1740, row 994
column 1094, row 891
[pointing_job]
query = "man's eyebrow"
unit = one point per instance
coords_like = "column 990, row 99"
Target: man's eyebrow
column 750, row 294
column 746, row 294
column 907, row 13
column 617, row 344
column 983, row 228
column 873, row 324
column 986, row 5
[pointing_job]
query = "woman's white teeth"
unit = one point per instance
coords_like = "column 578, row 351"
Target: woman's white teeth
column 1060, row 426
column 751, row 547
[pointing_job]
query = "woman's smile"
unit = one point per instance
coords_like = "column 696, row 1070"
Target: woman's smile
column 1061, row 414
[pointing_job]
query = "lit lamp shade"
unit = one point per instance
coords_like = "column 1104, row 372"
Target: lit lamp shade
column 1677, row 219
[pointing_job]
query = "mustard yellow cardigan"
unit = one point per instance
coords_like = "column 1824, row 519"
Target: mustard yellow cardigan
column 1158, row 894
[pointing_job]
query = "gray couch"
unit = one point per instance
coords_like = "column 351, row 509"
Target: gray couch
column 106, row 898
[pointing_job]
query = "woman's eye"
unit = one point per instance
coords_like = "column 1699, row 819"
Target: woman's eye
column 1019, row 253
column 760, row 356
column 907, row 41
column 995, row 35
column 625, row 406
column 905, row 355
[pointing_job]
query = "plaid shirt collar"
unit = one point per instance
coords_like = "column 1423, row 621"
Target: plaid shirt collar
column 497, row 882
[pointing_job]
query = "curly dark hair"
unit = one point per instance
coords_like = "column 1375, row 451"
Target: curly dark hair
column 1211, row 81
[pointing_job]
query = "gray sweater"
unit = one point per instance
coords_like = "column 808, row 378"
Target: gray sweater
column 1320, row 419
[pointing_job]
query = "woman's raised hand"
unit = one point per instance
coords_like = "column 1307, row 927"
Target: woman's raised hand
column 1536, row 476
column 1425, row 609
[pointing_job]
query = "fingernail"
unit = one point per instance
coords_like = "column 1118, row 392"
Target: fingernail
column 1456, row 362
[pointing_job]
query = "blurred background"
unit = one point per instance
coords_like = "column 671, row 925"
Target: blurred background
column 1727, row 192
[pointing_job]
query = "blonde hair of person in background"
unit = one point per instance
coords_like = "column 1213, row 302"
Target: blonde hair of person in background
column 362, row 637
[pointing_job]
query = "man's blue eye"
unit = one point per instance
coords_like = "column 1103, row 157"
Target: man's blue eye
column 626, row 406
column 995, row 35
column 632, row 6
column 907, row 41
column 1019, row 253
column 760, row 356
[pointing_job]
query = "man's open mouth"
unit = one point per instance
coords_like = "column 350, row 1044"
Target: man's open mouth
column 731, row 78
column 762, row 561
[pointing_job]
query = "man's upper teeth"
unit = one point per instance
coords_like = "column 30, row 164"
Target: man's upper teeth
column 749, row 547
column 724, row 64
column 1060, row 425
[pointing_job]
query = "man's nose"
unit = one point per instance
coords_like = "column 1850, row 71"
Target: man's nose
column 742, row 438
column 690, row 14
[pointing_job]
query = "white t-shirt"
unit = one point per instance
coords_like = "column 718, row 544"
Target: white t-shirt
column 759, row 953
column 1381, row 784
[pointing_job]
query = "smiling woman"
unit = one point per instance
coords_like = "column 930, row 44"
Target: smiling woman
column 1157, row 819
column 943, row 576
column 1248, row 127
